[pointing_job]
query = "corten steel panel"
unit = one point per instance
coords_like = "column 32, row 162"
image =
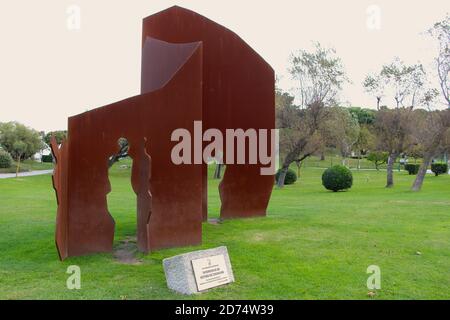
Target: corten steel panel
column 169, row 214
column 238, row 92
column 140, row 181
column 59, row 180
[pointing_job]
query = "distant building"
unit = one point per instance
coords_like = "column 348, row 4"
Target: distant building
column 43, row 152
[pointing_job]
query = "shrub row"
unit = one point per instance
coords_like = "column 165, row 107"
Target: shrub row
column 436, row 168
column 47, row 158
column 339, row 177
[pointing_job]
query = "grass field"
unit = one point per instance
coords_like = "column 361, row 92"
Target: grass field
column 313, row 244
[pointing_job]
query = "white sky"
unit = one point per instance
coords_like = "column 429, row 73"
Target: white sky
column 48, row 72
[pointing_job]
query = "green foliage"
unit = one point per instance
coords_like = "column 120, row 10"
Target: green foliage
column 283, row 100
column 439, row 168
column 340, row 129
column 60, row 135
column 47, row 158
column 378, row 157
column 412, row 168
column 364, row 116
column 5, row 159
column 19, row 140
column 290, row 178
column 19, row 148
column 366, row 139
column 337, row 178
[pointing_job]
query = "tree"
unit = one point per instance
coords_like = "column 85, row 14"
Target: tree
column 12, row 132
column 320, row 75
column 341, row 130
column 405, row 81
column 441, row 32
column 60, row 135
column 283, row 100
column 393, row 129
column 433, row 134
column 364, row 142
column 378, row 158
column 300, row 134
column 365, row 116
column 19, row 148
column 375, row 85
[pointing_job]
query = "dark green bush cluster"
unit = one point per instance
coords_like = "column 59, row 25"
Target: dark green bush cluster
column 5, row 159
column 47, row 158
column 412, row 168
column 337, row 178
column 290, row 178
column 439, row 168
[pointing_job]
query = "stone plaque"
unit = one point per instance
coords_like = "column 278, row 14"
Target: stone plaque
column 210, row 272
column 196, row 271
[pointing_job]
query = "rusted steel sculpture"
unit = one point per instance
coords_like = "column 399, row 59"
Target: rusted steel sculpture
column 169, row 201
column 238, row 92
column 192, row 70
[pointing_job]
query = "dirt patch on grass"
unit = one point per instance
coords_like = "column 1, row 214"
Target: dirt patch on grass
column 258, row 237
column 215, row 221
column 126, row 252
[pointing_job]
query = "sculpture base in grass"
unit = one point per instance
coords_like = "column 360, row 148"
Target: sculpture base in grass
column 197, row 271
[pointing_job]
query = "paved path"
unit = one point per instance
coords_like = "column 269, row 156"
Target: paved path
column 25, row 174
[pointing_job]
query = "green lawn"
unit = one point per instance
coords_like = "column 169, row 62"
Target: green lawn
column 313, row 244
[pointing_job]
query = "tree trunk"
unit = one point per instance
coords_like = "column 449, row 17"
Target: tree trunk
column 322, row 156
column 282, row 176
column 417, row 185
column 299, row 166
column 291, row 157
column 218, row 171
column 390, row 170
column 18, row 166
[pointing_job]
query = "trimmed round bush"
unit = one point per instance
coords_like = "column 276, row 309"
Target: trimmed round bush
column 439, row 168
column 290, row 178
column 412, row 168
column 5, row 159
column 337, row 178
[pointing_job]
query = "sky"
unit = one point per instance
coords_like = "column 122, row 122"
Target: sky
column 59, row 58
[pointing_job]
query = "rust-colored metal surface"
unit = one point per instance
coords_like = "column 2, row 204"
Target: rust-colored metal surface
column 192, row 70
column 169, row 201
column 238, row 92
column 59, row 180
